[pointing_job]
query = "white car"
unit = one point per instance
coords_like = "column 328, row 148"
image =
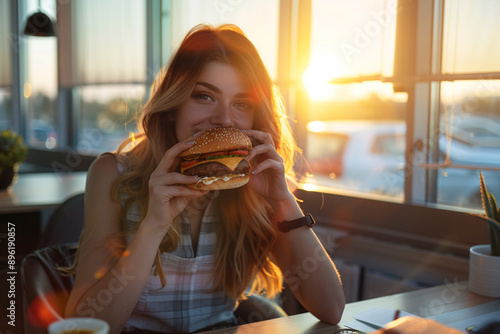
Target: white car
column 368, row 156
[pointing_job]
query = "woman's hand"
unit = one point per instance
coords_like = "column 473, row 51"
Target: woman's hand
column 168, row 195
column 268, row 173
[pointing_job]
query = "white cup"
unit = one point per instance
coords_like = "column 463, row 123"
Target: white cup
column 72, row 325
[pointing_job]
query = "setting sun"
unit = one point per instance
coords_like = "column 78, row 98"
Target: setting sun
column 322, row 68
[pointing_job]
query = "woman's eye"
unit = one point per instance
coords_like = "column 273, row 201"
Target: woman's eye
column 204, row 97
column 244, row 105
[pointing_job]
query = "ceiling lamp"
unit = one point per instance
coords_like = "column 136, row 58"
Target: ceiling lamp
column 39, row 24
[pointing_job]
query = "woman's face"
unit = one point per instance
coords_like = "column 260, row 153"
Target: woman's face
column 220, row 98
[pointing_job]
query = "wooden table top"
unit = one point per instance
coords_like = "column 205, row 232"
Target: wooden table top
column 39, row 191
column 451, row 296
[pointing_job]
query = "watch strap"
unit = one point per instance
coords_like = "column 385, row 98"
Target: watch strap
column 288, row 225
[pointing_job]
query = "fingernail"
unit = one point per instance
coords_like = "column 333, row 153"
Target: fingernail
column 255, row 171
column 196, row 134
column 191, row 142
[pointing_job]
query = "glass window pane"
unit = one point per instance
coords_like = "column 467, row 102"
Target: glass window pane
column 356, row 132
column 5, row 109
column 356, row 139
column 109, row 41
column 108, row 116
column 352, row 38
column 471, row 42
column 470, row 137
column 6, row 39
column 40, row 87
column 257, row 18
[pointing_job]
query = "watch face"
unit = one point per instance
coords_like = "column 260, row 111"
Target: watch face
column 347, row 331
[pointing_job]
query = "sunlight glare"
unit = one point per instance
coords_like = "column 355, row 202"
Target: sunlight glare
column 316, row 126
column 322, row 68
column 27, row 90
column 309, row 187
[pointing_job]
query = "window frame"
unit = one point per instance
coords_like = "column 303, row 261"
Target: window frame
column 415, row 221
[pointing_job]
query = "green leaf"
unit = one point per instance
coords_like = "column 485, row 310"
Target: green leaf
column 12, row 149
column 494, row 230
column 494, row 207
column 485, row 197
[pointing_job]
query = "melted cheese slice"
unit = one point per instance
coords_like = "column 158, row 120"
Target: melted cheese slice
column 230, row 163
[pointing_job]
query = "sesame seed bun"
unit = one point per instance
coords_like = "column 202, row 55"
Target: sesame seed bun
column 218, row 139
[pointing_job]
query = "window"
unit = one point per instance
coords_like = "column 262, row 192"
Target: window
column 81, row 90
column 189, row 13
column 108, row 115
column 354, row 42
column 5, row 66
column 108, row 71
column 39, row 85
column 469, row 140
column 412, row 119
column 470, row 44
column 464, row 103
column 438, row 106
column 5, row 109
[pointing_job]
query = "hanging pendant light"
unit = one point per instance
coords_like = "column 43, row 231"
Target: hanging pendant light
column 39, row 24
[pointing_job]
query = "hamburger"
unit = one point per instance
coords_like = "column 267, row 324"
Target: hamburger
column 218, row 158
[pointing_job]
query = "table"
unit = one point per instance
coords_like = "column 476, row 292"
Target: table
column 451, row 296
column 40, row 191
column 24, row 204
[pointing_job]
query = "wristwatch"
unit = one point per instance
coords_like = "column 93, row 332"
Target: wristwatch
column 288, row 225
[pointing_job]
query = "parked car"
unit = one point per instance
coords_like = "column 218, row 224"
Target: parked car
column 42, row 134
column 358, row 155
column 369, row 157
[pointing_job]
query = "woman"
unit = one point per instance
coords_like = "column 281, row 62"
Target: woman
column 157, row 255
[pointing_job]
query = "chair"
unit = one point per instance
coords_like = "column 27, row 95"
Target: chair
column 45, row 290
column 257, row 308
column 65, row 224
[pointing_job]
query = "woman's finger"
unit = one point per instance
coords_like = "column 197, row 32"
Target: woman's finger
column 261, row 136
column 173, row 179
column 177, row 191
column 170, row 157
column 265, row 149
column 269, row 164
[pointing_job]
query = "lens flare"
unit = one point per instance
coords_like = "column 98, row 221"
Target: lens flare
column 46, row 309
column 100, row 272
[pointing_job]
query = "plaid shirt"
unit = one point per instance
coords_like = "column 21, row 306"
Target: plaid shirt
column 185, row 303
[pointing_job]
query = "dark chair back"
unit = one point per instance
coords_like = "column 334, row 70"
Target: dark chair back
column 45, row 289
column 65, row 224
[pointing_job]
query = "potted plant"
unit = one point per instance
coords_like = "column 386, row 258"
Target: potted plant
column 12, row 152
column 484, row 260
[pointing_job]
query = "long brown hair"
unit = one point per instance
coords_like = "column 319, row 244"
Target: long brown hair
column 245, row 233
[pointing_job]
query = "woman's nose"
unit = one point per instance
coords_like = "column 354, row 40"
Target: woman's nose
column 223, row 117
